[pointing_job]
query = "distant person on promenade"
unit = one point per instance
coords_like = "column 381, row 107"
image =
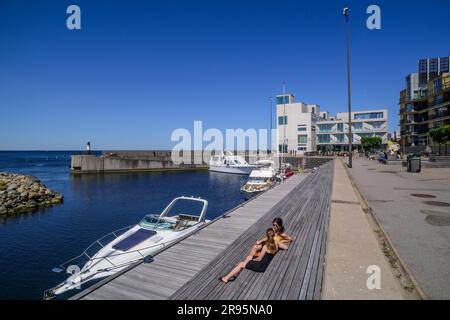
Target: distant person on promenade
column 256, row 264
column 88, row 147
column 282, row 238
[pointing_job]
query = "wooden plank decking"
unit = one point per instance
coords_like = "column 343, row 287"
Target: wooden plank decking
column 293, row 274
column 189, row 269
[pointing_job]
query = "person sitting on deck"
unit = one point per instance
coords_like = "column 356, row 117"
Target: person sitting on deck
column 383, row 158
column 282, row 238
column 258, row 264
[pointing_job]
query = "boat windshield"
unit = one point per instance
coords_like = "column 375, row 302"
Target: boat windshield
column 153, row 221
column 258, row 181
column 240, row 161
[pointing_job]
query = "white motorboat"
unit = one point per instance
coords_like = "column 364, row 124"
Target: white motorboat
column 131, row 245
column 230, row 164
column 267, row 164
column 259, row 180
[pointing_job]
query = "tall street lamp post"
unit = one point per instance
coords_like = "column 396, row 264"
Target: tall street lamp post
column 271, row 125
column 284, row 116
column 350, row 137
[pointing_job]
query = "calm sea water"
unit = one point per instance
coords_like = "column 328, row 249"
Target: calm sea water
column 94, row 205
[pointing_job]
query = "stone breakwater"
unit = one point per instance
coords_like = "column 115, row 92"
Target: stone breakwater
column 21, row 194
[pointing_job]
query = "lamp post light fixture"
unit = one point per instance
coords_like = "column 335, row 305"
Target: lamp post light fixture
column 350, row 137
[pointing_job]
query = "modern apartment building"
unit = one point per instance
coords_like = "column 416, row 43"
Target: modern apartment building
column 296, row 123
column 425, row 102
column 304, row 128
column 332, row 132
column 429, row 69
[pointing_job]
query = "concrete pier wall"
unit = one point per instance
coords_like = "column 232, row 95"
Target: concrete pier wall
column 136, row 161
column 128, row 162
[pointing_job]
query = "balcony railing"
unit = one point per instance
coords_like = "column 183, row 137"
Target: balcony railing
column 439, row 115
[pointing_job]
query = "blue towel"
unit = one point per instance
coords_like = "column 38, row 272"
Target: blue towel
column 134, row 239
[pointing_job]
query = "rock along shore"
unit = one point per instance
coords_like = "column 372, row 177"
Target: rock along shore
column 22, row 194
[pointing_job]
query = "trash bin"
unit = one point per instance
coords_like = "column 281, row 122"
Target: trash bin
column 414, row 163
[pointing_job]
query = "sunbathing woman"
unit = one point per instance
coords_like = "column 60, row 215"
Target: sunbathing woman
column 282, row 238
column 258, row 264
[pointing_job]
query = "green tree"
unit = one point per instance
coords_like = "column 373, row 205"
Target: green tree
column 446, row 133
column 371, row 143
column 441, row 136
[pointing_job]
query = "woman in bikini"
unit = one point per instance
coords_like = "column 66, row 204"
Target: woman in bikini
column 258, row 264
column 282, row 238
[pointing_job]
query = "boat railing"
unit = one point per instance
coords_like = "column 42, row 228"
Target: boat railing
column 97, row 242
column 141, row 256
column 69, row 264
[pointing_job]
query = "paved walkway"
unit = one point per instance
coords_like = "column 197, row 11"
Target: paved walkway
column 352, row 248
column 418, row 229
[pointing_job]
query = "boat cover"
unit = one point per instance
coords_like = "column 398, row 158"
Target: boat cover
column 134, row 239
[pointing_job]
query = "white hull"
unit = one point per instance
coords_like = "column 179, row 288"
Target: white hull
column 233, row 170
column 119, row 260
column 230, row 164
column 251, row 194
column 151, row 235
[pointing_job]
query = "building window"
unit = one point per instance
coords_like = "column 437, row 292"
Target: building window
column 281, row 122
column 340, row 127
column 423, row 65
column 283, row 100
column 323, row 138
column 371, row 115
column 437, row 85
column 437, row 99
column 325, row 127
column 302, row 138
column 340, row 138
column 410, row 107
column 280, row 148
column 301, row 148
column 433, row 65
column 357, row 126
column 301, row 128
column 377, row 124
column 444, row 65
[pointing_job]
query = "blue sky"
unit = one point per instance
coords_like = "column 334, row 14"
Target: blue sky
column 139, row 69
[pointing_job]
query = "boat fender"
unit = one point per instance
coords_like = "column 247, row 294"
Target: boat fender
column 148, row 259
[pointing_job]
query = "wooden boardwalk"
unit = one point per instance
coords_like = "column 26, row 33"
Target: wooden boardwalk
column 189, row 269
column 293, row 274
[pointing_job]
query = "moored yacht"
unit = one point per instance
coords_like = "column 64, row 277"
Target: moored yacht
column 230, row 164
column 131, row 245
column 261, row 179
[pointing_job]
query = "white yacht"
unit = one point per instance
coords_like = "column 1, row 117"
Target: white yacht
column 230, row 164
column 135, row 243
column 261, row 179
